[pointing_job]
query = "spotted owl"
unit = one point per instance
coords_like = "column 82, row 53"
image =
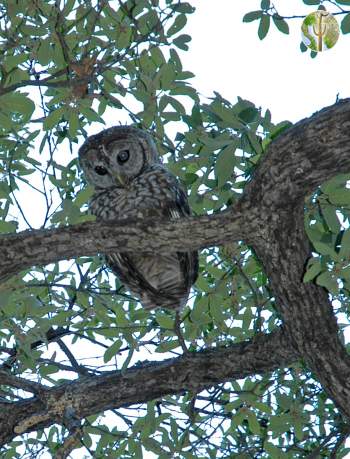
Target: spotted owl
column 130, row 181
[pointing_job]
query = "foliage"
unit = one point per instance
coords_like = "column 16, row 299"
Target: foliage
column 71, row 64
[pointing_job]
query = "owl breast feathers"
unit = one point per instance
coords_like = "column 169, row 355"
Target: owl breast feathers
column 123, row 165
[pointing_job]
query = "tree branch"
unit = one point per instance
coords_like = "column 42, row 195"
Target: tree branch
column 144, row 382
column 41, row 247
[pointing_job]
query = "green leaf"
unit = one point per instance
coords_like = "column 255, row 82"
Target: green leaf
column 252, row 16
column 281, row 24
column 253, row 422
column 8, row 227
column 124, row 37
column 179, row 24
column 340, row 196
column 330, row 216
column 166, row 346
column 181, row 41
column 325, row 249
column 185, row 8
column 311, row 2
column 18, row 103
column 303, row 47
column 313, row 269
column 84, row 195
column 248, row 115
column 112, row 351
column 73, row 123
column 272, row 451
column 345, row 24
column 279, row 128
column 264, row 26
column 344, row 252
column 326, row 280
column 5, row 122
column 11, row 62
column 165, row 321
column 265, row 4
column 224, row 165
column 53, row 118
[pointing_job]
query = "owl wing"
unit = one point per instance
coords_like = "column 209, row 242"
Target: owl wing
column 179, row 208
column 123, row 264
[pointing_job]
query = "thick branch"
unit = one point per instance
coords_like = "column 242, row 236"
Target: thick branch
column 146, row 382
column 41, row 247
column 305, row 156
column 302, row 158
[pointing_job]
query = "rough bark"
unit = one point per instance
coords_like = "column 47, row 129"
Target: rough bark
column 270, row 217
column 149, row 381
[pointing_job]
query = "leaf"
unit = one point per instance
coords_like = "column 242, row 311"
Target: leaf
column 252, row 16
column 179, row 24
column 166, row 346
column 265, row 4
column 248, row 115
column 124, row 38
column 181, row 41
column 272, row 451
column 73, row 124
column 303, row 47
column 344, row 252
column 165, row 321
column 340, row 197
column 185, row 8
column 264, row 26
column 84, row 195
column 112, row 351
column 279, row 128
column 5, row 122
column 345, row 24
column 312, row 271
column 8, row 227
column 11, row 62
column 53, row 119
column 225, row 162
column 281, row 24
column 330, row 283
column 311, row 2
column 330, row 216
column 91, row 115
column 253, row 423
column 18, row 103
column 325, row 249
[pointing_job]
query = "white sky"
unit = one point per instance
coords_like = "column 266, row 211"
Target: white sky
column 227, row 56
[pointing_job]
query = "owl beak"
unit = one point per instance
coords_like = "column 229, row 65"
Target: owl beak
column 120, row 179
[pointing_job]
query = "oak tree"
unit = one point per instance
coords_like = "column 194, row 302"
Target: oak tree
column 260, row 366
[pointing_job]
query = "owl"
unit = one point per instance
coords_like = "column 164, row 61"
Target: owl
column 130, row 181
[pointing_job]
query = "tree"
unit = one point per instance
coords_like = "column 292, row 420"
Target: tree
column 263, row 370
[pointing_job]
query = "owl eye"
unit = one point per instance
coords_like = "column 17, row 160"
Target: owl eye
column 123, row 156
column 100, row 170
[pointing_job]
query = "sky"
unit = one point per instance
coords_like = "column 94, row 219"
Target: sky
column 227, row 56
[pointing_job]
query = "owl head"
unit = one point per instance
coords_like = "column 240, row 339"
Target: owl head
column 115, row 156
